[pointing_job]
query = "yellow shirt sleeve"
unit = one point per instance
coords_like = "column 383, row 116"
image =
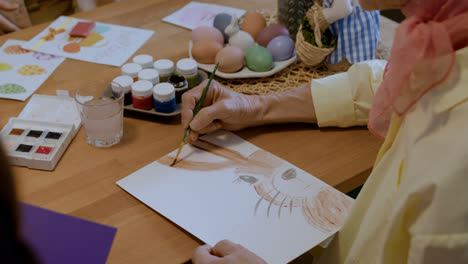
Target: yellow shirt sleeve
column 344, row 99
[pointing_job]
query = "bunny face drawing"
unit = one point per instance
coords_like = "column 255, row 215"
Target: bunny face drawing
column 278, row 184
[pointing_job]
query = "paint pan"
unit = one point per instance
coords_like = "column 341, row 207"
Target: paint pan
column 40, row 135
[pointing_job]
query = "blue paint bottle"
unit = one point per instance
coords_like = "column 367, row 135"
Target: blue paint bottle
column 164, row 98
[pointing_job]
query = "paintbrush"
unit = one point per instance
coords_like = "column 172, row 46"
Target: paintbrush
column 187, row 131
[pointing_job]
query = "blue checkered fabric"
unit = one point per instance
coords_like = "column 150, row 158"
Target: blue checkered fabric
column 357, row 35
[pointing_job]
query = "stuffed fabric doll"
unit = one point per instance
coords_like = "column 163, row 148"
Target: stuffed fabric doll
column 357, row 30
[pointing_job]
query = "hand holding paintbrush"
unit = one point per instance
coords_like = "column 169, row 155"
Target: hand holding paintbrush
column 187, row 131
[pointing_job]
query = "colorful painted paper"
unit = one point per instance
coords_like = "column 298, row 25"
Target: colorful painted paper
column 106, row 44
column 227, row 188
column 22, row 71
column 196, row 14
column 56, row 238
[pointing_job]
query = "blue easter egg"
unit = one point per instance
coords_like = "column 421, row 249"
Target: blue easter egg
column 221, row 21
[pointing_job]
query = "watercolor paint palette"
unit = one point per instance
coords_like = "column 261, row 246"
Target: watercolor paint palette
column 40, row 135
column 36, row 144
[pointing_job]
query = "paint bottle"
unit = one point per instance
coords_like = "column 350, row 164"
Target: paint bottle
column 142, row 92
column 165, row 69
column 180, row 85
column 132, row 70
column 125, row 83
column 164, row 98
column 188, row 69
column 145, row 60
column 151, row 75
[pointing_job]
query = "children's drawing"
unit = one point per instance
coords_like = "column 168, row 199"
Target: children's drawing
column 223, row 187
column 23, row 71
column 15, row 50
column 11, row 88
column 31, row 70
column 276, row 183
column 105, row 44
column 5, row 66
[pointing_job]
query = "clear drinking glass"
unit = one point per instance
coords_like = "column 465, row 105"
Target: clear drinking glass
column 101, row 112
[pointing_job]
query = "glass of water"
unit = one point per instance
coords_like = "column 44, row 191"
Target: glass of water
column 101, row 112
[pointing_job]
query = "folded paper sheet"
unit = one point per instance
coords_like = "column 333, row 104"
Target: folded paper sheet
column 23, row 71
column 226, row 188
column 106, row 44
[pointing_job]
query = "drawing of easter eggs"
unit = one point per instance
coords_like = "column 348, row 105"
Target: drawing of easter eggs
column 31, row 70
column 72, row 47
column 44, row 56
column 15, row 50
column 5, row 66
column 11, row 88
column 91, row 40
column 101, row 29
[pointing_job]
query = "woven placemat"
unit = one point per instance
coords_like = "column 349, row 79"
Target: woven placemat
column 295, row 75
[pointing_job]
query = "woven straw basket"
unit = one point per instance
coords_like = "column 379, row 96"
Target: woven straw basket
column 309, row 54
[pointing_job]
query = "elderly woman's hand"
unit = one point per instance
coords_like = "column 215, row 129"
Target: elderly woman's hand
column 221, row 109
column 226, row 109
column 225, row 252
column 6, row 26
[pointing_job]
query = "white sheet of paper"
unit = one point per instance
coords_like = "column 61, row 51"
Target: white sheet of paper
column 22, row 72
column 107, row 44
column 196, row 14
column 243, row 194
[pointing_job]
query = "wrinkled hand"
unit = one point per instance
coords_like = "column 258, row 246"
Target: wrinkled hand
column 6, row 26
column 221, row 109
column 225, row 252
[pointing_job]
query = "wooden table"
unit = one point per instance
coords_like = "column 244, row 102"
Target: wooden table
column 83, row 183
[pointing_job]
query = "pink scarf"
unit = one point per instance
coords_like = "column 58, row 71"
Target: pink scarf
column 422, row 56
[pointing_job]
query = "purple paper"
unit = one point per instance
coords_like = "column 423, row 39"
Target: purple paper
column 58, row 238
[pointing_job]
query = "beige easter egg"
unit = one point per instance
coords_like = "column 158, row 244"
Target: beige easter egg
column 204, row 51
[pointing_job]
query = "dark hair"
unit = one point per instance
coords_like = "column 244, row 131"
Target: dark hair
column 12, row 248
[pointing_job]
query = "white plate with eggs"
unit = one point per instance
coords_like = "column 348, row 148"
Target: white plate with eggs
column 246, row 72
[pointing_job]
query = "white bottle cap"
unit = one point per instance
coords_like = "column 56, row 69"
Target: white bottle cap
column 151, row 75
column 131, row 69
column 145, row 60
column 163, row 92
column 142, row 88
column 125, row 83
column 164, row 67
column 187, row 66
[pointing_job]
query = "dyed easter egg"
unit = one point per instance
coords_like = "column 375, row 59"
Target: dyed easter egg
column 5, row 66
column 231, row 59
column 206, row 33
column 242, row 40
column 271, row 32
column 204, row 51
column 281, row 47
column 259, row 59
column 11, row 88
column 253, row 23
column 221, row 21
